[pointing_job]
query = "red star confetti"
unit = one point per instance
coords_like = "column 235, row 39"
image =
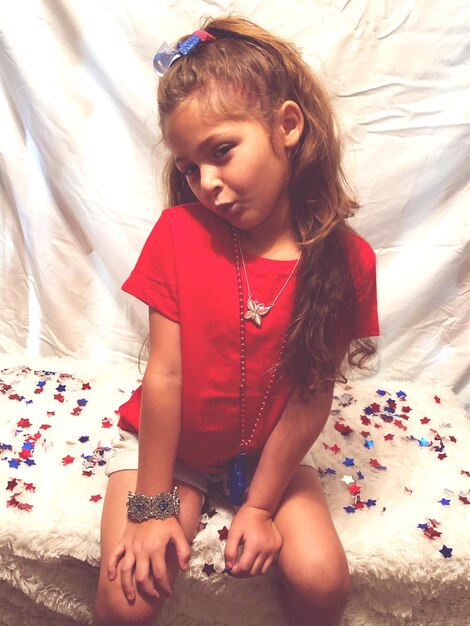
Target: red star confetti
column 50, row 413
column 425, row 420
column 365, row 420
column 39, row 390
column 44, row 426
column 87, row 473
column 76, row 411
column 342, row 428
column 335, row 449
column 201, row 526
column 106, row 423
column 431, row 533
column 376, row 464
column 437, row 400
column 223, row 533
column 24, row 423
column 389, row 437
column 442, row 456
column 406, row 409
column 96, row 498
column 208, row 569
column 59, row 397
column 11, row 484
column 453, row 439
column 464, row 499
column 465, row 473
column 375, row 407
column 68, row 459
column 86, row 386
column 24, row 507
column 354, row 489
column 365, row 433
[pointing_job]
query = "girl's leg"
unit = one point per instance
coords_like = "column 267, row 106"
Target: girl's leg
column 312, row 562
column 112, row 607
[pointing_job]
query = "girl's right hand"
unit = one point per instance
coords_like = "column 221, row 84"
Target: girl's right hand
column 142, row 556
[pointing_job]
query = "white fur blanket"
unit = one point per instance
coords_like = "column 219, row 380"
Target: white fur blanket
column 394, row 463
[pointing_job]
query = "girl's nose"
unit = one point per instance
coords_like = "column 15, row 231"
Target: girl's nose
column 210, row 181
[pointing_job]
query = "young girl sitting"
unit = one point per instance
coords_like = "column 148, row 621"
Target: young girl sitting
column 257, row 290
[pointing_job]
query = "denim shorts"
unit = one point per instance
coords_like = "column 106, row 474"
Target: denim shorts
column 125, row 456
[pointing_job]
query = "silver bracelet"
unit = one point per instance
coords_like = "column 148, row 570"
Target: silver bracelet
column 162, row 506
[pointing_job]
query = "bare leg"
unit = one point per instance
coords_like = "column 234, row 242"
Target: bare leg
column 112, row 607
column 312, row 561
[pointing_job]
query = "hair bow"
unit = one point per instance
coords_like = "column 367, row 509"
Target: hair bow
column 166, row 55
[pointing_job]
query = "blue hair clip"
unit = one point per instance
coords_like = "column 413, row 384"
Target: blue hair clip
column 166, row 55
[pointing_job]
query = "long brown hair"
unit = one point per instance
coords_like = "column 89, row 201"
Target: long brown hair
column 262, row 71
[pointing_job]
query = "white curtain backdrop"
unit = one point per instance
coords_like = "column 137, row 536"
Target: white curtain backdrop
column 80, row 162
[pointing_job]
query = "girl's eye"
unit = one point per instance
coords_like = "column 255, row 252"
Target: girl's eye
column 188, row 170
column 223, row 150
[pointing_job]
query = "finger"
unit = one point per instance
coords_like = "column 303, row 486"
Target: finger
column 231, row 549
column 143, row 578
column 115, row 556
column 127, row 573
column 183, row 551
column 160, row 574
column 246, row 562
column 267, row 564
column 258, row 565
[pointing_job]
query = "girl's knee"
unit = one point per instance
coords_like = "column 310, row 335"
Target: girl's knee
column 324, row 586
column 113, row 609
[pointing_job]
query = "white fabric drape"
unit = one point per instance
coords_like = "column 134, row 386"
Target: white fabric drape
column 79, row 164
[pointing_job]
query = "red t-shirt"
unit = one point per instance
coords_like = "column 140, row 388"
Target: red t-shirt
column 186, row 271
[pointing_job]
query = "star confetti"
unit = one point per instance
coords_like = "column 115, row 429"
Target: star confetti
column 96, row 498
column 68, row 459
column 446, row 552
column 106, row 423
column 444, row 502
column 349, row 462
column 223, row 533
column 342, row 428
column 376, row 464
column 208, row 569
column 354, row 489
column 24, row 423
column 437, row 400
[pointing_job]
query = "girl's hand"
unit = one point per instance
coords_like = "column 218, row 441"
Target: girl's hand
column 262, row 541
column 142, row 556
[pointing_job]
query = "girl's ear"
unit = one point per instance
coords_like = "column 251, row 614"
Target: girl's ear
column 291, row 123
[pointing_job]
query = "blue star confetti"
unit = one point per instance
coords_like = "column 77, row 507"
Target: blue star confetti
column 446, row 552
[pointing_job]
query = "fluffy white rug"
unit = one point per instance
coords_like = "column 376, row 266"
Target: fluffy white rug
column 394, row 463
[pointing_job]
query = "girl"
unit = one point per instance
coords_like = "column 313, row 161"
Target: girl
column 257, row 290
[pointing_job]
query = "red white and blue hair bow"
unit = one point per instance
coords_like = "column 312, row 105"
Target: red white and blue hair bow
column 166, row 55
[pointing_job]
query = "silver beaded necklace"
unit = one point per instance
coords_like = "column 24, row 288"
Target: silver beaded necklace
column 238, row 479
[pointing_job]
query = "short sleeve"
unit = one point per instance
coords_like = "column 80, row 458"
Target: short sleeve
column 153, row 279
column 364, row 321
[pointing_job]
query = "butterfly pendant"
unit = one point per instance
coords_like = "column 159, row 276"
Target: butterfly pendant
column 256, row 311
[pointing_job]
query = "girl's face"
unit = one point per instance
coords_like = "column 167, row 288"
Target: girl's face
column 234, row 166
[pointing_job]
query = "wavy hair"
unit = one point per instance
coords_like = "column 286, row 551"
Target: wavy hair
column 248, row 69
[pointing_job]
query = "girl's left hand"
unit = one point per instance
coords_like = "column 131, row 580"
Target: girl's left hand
column 255, row 529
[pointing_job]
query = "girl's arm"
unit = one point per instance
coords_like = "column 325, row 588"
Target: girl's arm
column 143, row 545
column 292, row 437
